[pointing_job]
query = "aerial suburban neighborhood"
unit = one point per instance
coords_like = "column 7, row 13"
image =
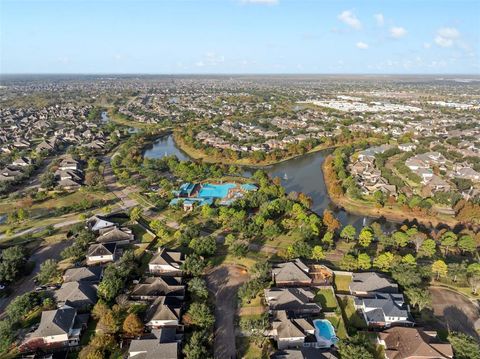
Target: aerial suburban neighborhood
column 241, row 179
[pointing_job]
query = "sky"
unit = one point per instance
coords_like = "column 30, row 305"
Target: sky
column 240, row 36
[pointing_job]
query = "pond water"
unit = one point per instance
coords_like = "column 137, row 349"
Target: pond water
column 165, row 146
column 300, row 174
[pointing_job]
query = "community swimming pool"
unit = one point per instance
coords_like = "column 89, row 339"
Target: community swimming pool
column 325, row 333
column 215, row 190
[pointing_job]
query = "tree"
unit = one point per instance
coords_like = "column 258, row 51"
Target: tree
column 6, row 335
column 200, row 315
column 365, row 237
column 132, row 325
column 198, row 288
column 135, row 214
column 330, row 221
column 467, row 244
column 358, row 346
column 401, row 239
column 427, row 249
column 464, row 346
column 193, row 265
column 364, row 261
column 406, row 275
column 327, row 239
column 348, row 262
column 108, row 323
column 12, row 261
column 474, row 282
column 419, row 297
column 47, row 180
column 49, row 272
column 348, row 233
column 317, row 253
column 439, row 268
column 20, row 306
column 409, row 259
column 203, row 246
column 384, row 261
column 448, row 240
column 457, row 270
column 197, row 345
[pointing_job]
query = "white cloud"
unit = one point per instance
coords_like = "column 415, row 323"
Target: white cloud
column 349, row 18
column 362, row 45
column 379, row 18
column 427, row 45
column 262, row 2
column 210, row 59
column 397, row 32
column 446, row 36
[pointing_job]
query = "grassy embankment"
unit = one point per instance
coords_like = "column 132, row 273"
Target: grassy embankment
column 201, row 155
column 395, row 212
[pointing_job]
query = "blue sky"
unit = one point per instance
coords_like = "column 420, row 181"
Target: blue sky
column 240, row 36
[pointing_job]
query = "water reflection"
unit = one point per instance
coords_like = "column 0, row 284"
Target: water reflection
column 301, row 174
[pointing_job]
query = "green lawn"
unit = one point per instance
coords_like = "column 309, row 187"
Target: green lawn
column 248, row 349
column 326, row 298
column 350, row 315
column 89, row 332
column 342, row 283
column 141, row 234
column 339, row 325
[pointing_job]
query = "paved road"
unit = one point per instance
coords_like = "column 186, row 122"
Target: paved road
column 26, row 284
column 455, row 311
column 111, row 182
column 224, row 282
column 39, row 229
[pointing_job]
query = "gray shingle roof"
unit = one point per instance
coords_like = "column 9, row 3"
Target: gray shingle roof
column 56, row 322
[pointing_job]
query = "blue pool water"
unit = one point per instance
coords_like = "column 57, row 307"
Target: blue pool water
column 215, row 190
column 325, row 331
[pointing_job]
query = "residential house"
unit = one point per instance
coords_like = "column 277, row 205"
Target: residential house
column 83, row 274
column 298, row 301
column 79, row 295
column 291, row 274
column 384, row 309
column 166, row 262
column 120, row 236
column 101, row 253
column 413, row 343
column 153, row 287
column 289, row 333
column 164, row 312
column 96, row 223
column 163, row 345
column 364, row 284
column 58, row 328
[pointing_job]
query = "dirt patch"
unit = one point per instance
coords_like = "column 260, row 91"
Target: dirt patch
column 455, row 311
column 224, row 282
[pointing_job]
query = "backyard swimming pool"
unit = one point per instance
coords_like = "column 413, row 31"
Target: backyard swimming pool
column 215, row 190
column 325, row 333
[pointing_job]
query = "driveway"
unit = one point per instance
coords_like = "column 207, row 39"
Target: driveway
column 26, row 284
column 224, row 282
column 455, row 311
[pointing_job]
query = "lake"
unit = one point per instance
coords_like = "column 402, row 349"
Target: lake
column 300, row 174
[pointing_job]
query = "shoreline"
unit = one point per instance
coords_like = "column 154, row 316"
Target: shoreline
column 193, row 153
column 390, row 214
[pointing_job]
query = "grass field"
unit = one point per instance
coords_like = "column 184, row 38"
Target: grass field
column 339, row 325
column 248, row 349
column 342, row 283
column 141, row 234
column 326, row 298
column 350, row 315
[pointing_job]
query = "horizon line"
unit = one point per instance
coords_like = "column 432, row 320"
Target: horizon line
column 235, row 74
